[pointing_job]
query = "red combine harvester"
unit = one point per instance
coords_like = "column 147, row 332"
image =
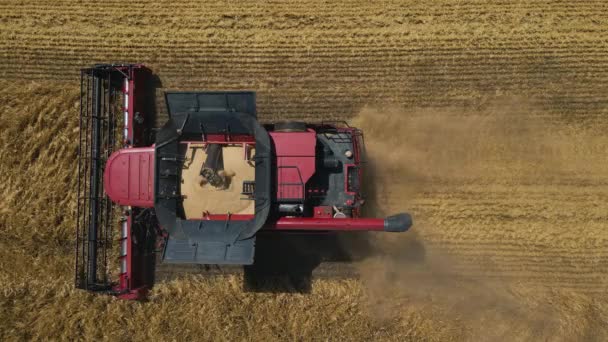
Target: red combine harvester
column 199, row 189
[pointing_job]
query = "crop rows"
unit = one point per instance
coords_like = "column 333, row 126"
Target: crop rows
column 315, row 60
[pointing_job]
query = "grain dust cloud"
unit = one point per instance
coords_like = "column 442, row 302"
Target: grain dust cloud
column 409, row 151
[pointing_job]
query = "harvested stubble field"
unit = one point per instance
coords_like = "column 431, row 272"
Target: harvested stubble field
column 484, row 119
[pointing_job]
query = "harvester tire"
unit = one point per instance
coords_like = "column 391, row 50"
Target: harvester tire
column 290, row 126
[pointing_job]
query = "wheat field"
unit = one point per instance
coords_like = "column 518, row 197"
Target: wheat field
column 484, row 119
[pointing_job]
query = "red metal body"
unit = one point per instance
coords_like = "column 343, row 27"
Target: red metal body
column 295, row 157
column 323, row 224
column 129, row 177
column 125, row 286
column 323, row 212
column 133, row 104
column 131, row 286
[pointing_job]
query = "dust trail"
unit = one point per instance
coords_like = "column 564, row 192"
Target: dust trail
column 410, row 151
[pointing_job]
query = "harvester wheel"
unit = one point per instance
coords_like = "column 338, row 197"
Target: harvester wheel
column 290, row 126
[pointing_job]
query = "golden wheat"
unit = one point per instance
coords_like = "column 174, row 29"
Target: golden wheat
column 485, row 120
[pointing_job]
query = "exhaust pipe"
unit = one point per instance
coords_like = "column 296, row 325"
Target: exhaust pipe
column 398, row 223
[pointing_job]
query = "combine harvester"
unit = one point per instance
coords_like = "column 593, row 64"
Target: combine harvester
column 199, row 189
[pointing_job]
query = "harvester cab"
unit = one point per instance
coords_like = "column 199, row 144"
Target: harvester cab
column 205, row 184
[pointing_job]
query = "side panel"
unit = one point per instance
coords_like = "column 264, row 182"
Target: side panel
column 129, row 177
column 295, row 159
column 211, row 101
column 134, row 283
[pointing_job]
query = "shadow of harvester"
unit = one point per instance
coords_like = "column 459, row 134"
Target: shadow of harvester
column 288, row 262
